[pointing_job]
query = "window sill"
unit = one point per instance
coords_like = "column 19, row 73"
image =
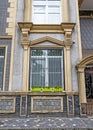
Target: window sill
column 47, row 93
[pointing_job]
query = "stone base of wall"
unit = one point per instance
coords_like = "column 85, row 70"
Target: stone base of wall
column 33, row 106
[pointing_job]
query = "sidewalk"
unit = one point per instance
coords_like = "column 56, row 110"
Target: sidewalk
column 48, row 123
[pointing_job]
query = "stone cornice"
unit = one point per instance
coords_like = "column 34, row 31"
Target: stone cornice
column 46, row 27
column 38, row 93
column 65, row 28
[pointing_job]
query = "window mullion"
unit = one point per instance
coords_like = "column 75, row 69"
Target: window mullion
column 46, row 72
column 62, row 70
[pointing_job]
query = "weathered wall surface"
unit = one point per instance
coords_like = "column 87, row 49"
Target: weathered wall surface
column 18, row 53
column 74, row 48
column 4, row 5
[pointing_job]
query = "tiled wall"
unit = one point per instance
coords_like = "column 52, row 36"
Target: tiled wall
column 3, row 16
column 55, row 114
column 86, row 25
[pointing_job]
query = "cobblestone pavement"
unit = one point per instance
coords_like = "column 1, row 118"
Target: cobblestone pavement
column 48, row 123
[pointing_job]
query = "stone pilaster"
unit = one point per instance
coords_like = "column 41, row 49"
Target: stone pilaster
column 27, row 11
column 25, row 28
column 25, row 68
column 68, row 28
column 65, row 11
column 82, row 90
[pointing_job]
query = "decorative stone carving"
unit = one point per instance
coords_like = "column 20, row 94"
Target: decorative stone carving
column 7, row 105
column 46, row 104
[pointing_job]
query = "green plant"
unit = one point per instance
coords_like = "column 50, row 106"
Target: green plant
column 46, row 89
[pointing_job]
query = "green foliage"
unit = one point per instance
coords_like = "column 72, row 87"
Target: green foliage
column 46, row 89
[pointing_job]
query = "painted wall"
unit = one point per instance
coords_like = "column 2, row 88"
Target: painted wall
column 18, row 54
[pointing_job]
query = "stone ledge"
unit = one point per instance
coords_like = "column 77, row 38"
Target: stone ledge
column 6, row 93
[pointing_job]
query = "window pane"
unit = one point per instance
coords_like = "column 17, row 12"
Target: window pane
column 37, row 73
column 53, row 9
column 38, row 65
column 39, row 9
column 55, row 52
column 38, row 80
column 55, row 73
column 54, row 64
column 46, row 67
column 46, row 11
column 54, row 3
column 39, row 18
column 54, row 18
column 38, row 52
column 55, row 80
column 2, row 53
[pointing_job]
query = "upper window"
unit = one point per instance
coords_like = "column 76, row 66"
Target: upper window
column 46, row 11
column 46, row 68
column 2, row 57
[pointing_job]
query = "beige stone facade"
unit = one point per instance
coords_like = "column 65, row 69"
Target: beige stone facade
column 25, row 35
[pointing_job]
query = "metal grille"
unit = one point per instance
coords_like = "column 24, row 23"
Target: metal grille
column 88, row 108
column 2, row 56
column 89, row 81
column 46, row 68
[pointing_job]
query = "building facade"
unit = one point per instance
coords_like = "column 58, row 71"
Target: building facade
column 46, row 56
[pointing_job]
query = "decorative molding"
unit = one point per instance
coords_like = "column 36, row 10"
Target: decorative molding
column 63, row 27
column 11, row 18
column 5, row 37
column 25, row 28
column 68, row 28
column 7, row 104
column 38, row 93
column 84, row 62
column 44, row 104
column 47, row 38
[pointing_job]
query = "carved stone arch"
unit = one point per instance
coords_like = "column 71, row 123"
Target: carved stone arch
column 47, row 38
column 81, row 78
column 85, row 61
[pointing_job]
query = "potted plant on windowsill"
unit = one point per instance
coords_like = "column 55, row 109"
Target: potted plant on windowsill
column 46, row 89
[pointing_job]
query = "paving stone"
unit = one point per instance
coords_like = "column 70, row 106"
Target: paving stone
column 47, row 123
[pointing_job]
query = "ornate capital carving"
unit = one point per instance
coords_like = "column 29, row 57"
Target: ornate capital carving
column 68, row 28
column 25, row 28
column 68, row 43
column 80, row 70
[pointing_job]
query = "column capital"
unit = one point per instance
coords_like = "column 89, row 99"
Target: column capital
column 68, row 43
column 25, row 29
column 80, row 70
column 68, row 28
